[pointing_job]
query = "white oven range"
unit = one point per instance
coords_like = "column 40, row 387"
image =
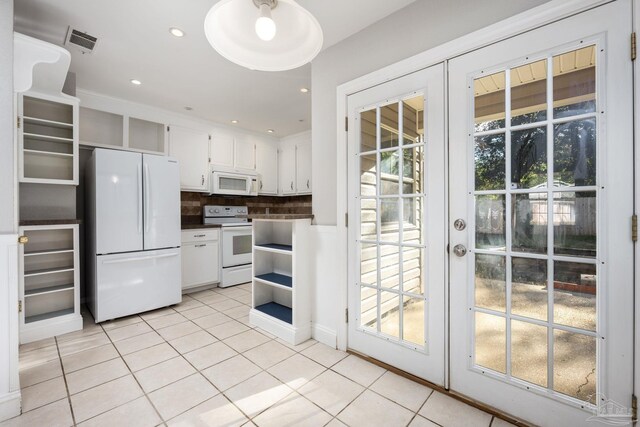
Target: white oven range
column 236, row 242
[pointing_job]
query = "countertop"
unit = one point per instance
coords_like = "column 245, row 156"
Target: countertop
column 280, row 216
column 50, row 222
column 197, row 226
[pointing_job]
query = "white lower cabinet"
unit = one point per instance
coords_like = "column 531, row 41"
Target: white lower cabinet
column 282, row 278
column 49, row 282
column 200, row 257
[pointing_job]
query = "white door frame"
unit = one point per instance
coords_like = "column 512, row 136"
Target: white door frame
column 534, row 18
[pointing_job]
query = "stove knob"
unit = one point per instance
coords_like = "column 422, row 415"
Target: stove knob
column 217, row 210
column 210, row 210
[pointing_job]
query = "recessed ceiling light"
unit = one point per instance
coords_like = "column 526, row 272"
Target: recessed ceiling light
column 176, row 32
column 304, row 89
column 136, row 82
column 270, row 131
column 235, row 122
column 188, row 108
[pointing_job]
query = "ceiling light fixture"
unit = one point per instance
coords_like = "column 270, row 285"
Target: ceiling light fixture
column 265, row 35
column 304, row 90
column 176, row 32
column 270, row 131
column 188, row 108
column 136, row 82
column 235, row 122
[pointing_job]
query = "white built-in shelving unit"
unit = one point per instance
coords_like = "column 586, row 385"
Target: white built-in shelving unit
column 48, row 138
column 281, row 278
column 49, row 282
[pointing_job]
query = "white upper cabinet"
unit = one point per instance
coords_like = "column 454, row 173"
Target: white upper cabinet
column 245, row 150
column 191, row 148
column 267, row 167
column 303, row 168
column 222, row 150
column 288, row 169
column 48, row 139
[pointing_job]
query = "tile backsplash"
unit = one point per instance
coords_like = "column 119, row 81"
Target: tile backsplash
column 191, row 205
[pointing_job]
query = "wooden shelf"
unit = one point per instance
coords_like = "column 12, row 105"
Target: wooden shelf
column 276, row 279
column 45, row 122
column 47, row 316
column 48, row 252
column 48, row 290
column 47, row 138
column 275, row 248
column 47, row 271
column 46, row 153
column 277, row 311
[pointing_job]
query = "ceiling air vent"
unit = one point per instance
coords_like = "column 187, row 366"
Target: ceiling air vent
column 81, row 41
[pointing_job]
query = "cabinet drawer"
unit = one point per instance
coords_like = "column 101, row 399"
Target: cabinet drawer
column 200, row 235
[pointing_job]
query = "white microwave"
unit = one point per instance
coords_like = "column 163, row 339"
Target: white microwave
column 233, row 183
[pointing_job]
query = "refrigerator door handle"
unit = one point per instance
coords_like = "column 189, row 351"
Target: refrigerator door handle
column 147, row 189
column 139, row 179
column 134, row 259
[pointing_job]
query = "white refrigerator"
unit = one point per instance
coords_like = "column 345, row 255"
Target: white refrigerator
column 133, row 233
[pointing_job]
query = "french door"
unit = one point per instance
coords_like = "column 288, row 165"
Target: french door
column 541, row 267
column 397, row 233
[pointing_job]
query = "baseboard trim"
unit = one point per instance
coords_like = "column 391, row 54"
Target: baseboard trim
column 324, row 335
column 10, row 405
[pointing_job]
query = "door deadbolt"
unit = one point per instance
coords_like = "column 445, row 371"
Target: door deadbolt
column 459, row 224
column 459, row 250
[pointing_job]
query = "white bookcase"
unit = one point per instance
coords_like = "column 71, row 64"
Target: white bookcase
column 281, row 278
column 49, row 282
column 48, row 138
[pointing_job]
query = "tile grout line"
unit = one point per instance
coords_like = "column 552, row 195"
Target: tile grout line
column 66, row 386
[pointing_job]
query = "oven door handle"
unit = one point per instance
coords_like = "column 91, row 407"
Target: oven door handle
column 235, row 230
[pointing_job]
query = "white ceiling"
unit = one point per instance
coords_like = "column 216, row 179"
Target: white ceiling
column 134, row 43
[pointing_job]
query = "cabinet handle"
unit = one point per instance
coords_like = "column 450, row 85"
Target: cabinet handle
column 261, row 185
column 201, row 246
column 307, row 184
column 202, row 180
column 199, row 235
column 292, row 185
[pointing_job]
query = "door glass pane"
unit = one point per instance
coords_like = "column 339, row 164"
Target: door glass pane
column 489, row 162
column 389, row 131
column 413, row 170
column 368, row 130
column 574, row 223
column 574, row 365
column 413, row 320
column 574, row 294
column 529, row 288
column 490, row 342
column 413, row 123
column 369, row 264
column 529, row 218
column 368, row 219
column 390, row 267
column 574, row 82
column 390, row 172
column 574, row 153
column 368, row 175
column 489, row 102
column 390, row 220
column 412, row 270
column 412, row 211
column 529, row 158
column 369, row 308
column 490, row 222
column 529, row 93
column 529, row 352
column 490, row 282
column 390, row 313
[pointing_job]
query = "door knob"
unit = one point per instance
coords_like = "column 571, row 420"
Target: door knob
column 23, row 240
column 459, row 250
column 459, row 224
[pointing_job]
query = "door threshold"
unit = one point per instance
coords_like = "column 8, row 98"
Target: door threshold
column 464, row 399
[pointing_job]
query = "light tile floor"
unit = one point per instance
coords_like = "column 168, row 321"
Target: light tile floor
column 201, row 363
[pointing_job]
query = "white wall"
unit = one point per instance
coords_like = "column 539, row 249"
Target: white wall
column 414, row 29
column 9, row 387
